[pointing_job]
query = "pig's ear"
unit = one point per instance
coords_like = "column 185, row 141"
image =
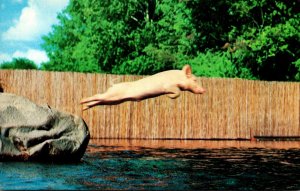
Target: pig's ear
column 187, row 70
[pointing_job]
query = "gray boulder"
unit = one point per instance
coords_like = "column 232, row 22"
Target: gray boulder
column 30, row 132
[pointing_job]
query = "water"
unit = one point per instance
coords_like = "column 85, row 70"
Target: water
column 164, row 165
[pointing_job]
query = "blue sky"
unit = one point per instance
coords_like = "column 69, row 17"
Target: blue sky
column 22, row 25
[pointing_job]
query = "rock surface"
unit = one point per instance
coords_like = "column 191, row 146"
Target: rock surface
column 30, row 132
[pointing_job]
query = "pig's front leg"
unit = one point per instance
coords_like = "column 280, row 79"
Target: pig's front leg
column 173, row 92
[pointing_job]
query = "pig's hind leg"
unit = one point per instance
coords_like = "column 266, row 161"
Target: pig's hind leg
column 92, row 101
column 112, row 96
column 91, row 104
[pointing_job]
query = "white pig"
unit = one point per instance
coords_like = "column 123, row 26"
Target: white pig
column 169, row 82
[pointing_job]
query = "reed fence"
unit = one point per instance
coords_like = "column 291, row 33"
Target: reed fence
column 230, row 109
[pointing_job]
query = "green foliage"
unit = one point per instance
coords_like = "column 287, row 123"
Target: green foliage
column 213, row 65
column 269, row 31
column 19, row 63
column 159, row 42
column 256, row 39
column 297, row 64
column 212, row 22
column 217, row 64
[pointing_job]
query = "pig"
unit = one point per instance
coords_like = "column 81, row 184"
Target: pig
column 169, row 82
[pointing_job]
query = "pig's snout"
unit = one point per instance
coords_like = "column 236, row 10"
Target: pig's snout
column 199, row 90
column 197, row 87
column 202, row 91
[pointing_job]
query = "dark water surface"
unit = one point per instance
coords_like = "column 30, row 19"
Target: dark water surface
column 165, row 165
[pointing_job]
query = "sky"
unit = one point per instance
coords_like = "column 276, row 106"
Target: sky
column 22, row 25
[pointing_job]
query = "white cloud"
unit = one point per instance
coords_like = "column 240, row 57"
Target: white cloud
column 4, row 57
column 35, row 20
column 37, row 56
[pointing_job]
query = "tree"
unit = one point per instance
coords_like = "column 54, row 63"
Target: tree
column 127, row 36
column 19, row 63
column 261, row 37
column 256, row 39
column 267, row 38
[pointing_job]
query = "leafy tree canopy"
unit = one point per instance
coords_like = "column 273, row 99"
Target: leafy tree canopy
column 256, row 39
